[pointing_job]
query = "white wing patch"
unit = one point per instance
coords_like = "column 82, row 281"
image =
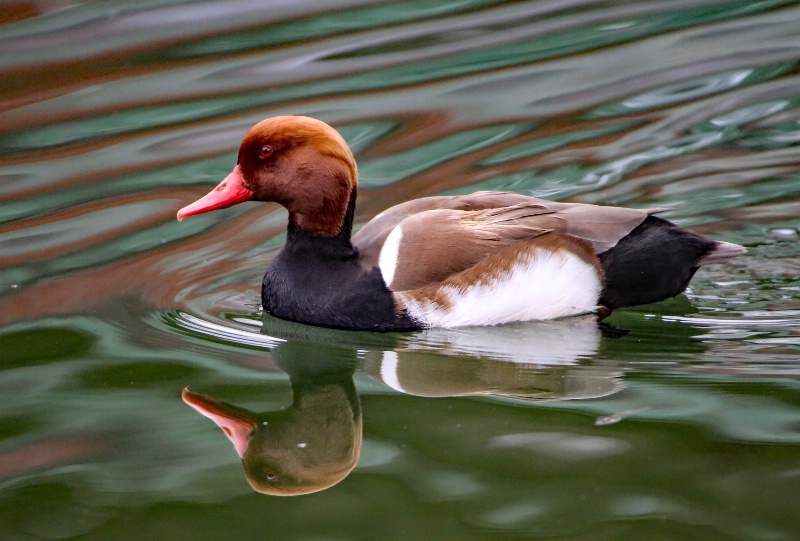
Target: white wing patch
column 541, row 285
column 387, row 261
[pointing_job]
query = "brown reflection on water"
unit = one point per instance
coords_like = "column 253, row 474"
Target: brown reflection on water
column 16, row 11
column 30, row 247
column 144, row 276
column 53, row 452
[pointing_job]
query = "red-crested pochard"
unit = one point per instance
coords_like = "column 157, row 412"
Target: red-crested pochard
column 480, row 259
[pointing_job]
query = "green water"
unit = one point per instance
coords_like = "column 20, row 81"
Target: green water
column 674, row 421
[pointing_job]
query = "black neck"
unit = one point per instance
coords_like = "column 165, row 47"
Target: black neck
column 337, row 246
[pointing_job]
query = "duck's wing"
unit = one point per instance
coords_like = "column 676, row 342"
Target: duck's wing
column 427, row 247
column 503, row 214
column 602, row 226
column 370, row 238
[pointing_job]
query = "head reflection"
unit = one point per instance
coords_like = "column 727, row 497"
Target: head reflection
column 309, row 446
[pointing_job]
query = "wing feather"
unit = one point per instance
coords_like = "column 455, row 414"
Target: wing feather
column 432, row 245
column 443, row 235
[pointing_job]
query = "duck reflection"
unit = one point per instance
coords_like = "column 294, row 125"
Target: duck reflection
column 309, row 446
column 527, row 361
column 314, row 443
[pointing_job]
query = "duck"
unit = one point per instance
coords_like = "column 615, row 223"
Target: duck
column 485, row 258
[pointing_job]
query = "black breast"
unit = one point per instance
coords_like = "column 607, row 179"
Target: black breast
column 315, row 282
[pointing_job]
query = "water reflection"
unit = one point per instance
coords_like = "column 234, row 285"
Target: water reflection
column 527, row 361
column 314, row 443
column 309, row 446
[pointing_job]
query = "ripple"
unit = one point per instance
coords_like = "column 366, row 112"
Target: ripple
column 746, row 319
column 240, row 334
column 691, row 89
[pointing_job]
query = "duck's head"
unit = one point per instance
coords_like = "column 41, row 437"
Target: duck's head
column 300, row 163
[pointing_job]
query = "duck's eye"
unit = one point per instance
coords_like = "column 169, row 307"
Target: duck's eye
column 270, row 475
column 265, row 152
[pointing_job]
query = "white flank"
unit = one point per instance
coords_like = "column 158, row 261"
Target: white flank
column 390, row 250
column 541, row 285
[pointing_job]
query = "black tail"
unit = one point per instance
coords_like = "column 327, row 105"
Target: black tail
column 656, row 261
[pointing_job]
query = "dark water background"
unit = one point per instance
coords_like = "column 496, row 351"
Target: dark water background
column 682, row 422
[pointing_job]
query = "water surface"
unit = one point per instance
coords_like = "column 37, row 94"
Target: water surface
column 678, row 420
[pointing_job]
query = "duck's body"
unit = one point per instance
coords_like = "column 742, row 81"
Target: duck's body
column 480, row 259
